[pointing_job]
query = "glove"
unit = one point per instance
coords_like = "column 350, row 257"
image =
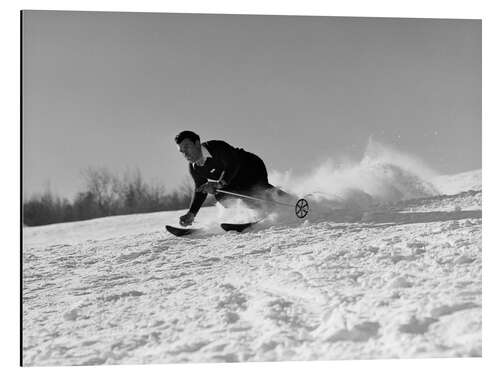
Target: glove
column 209, row 187
column 186, row 219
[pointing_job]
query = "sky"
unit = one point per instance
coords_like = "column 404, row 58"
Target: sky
column 104, row 89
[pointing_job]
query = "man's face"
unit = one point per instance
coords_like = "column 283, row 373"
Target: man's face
column 190, row 150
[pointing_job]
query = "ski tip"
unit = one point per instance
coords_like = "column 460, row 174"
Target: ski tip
column 179, row 232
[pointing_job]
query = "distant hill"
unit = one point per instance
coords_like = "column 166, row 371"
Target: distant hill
column 454, row 184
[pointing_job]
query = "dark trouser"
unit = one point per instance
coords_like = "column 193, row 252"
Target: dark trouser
column 251, row 180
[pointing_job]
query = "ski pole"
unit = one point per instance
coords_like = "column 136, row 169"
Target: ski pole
column 301, row 207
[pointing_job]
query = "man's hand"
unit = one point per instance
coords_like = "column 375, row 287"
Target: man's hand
column 186, row 219
column 209, row 187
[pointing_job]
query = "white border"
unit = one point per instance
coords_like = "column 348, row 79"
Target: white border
column 10, row 142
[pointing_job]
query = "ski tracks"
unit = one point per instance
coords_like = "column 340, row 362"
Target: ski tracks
column 319, row 290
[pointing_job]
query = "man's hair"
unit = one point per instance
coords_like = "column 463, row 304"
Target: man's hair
column 186, row 134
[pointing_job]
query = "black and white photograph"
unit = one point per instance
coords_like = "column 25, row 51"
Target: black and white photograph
column 211, row 188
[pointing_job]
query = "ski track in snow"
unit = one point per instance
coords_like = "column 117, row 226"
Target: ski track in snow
column 405, row 281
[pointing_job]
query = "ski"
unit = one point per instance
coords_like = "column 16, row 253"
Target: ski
column 179, row 232
column 236, row 227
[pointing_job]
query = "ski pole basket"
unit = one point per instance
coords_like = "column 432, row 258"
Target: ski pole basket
column 301, row 208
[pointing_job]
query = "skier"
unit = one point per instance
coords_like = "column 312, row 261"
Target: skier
column 215, row 165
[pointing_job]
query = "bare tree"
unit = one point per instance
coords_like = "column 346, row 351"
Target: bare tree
column 104, row 187
column 186, row 188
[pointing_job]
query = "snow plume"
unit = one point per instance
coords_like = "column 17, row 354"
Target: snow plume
column 243, row 211
column 383, row 175
column 240, row 211
column 236, row 211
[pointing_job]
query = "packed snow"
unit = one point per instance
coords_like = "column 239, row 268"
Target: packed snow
column 388, row 266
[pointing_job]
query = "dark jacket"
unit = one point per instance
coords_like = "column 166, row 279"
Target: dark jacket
column 234, row 167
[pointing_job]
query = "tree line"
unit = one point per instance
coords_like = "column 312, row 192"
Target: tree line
column 106, row 194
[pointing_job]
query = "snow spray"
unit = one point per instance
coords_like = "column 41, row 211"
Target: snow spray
column 383, row 175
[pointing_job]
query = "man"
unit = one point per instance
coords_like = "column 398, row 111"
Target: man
column 215, row 165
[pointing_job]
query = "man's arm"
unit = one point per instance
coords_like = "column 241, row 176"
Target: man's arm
column 198, row 197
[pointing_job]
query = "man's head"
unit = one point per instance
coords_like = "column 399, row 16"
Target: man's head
column 189, row 145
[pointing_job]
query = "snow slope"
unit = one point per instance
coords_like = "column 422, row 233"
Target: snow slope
column 453, row 184
column 401, row 280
